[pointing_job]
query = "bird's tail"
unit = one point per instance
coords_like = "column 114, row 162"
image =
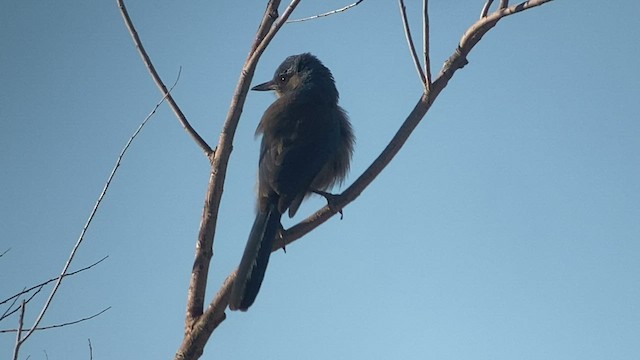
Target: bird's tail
column 255, row 258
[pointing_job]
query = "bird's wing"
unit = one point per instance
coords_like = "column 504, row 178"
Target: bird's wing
column 298, row 140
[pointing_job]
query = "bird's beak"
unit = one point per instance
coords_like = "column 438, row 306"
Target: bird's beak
column 269, row 85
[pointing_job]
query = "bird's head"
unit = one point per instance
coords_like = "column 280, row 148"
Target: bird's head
column 299, row 73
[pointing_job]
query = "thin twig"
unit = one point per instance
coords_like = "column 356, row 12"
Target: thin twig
column 425, row 45
column 327, row 13
column 90, row 350
column 92, row 215
column 10, row 312
column 52, row 280
column 485, row 8
column 4, row 252
column 15, row 299
column 19, row 341
column 412, row 48
column 255, row 56
column 163, row 89
column 58, row 325
column 503, row 4
column 482, row 26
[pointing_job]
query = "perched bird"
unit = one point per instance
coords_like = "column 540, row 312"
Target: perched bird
column 307, row 142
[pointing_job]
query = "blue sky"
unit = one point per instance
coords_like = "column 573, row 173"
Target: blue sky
column 507, row 227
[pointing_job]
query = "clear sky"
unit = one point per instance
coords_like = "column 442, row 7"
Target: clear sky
column 508, row 227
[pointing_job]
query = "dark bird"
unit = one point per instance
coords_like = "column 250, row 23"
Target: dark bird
column 307, row 142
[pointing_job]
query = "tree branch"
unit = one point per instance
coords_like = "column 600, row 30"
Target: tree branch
column 485, row 8
column 57, row 325
column 198, row 327
column 52, row 280
column 19, row 341
column 473, row 35
column 425, row 44
column 90, row 219
column 327, row 13
column 10, row 312
column 412, row 48
column 163, row 89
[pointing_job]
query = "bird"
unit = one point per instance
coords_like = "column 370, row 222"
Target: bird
column 307, row 145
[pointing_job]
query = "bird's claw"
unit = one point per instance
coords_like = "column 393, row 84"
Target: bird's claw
column 281, row 237
column 331, row 201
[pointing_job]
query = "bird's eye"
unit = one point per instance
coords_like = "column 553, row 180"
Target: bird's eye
column 283, row 78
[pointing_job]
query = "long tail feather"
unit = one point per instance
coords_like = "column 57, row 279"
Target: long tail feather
column 255, row 259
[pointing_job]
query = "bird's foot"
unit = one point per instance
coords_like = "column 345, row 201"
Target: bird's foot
column 281, row 237
column 331, row 201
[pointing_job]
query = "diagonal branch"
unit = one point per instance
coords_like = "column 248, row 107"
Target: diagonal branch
column 19, row 340
column 163, row 89
column 90, row 219
column 485, row 8
column 15, row 298
column 425, row 44
column 345, row 8
column 412, row 48
column 204, row 244
column 10, row 312
column 60, row 325
column 52, row 280
column 198, row 324
column 473, row 35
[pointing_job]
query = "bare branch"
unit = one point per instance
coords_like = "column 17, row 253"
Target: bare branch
column 412, row 48
column 425, row 44
column 255, row 55
column 195, row 302
column 15, row 299
column 57, row 325
column 19, row 341
column 90, row 350
column 219, row 160
column 485, row 8
column 202, row 329
column 156, row 77
column 482, row 26
column 4, row 252
column 327, row 13
column 197, row 329
column 92, row 215
column 10, row 312
column 52, row 280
